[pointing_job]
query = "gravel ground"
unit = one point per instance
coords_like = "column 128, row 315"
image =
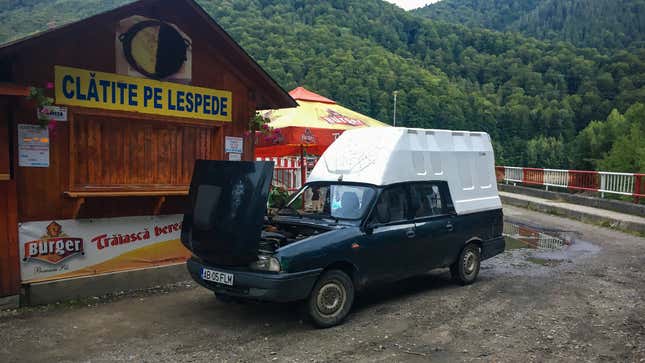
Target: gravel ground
column 585, row 303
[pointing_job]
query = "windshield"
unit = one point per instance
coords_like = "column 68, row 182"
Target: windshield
column 336, row 201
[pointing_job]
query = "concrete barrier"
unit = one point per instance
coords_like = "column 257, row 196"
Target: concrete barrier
column 9, row 302
column 82, row 287
column 579, row 199
column 611, row 219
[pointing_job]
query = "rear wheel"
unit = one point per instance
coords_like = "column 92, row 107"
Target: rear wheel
column 331, row 299
column 465, row 270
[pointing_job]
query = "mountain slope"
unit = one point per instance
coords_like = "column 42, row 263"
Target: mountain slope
column 491, row 14
column 603, row 24
column 520, row 90
column 22, row 17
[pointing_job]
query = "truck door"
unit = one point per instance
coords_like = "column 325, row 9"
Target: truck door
column 434, row 225
column 387, row 248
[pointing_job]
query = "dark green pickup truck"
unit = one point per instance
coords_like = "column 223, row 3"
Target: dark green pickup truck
column 333, row 239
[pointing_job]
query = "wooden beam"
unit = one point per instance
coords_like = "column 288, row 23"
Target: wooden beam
column 158, row 205
column 12, row 89
column 106, row 194
column 78, row 203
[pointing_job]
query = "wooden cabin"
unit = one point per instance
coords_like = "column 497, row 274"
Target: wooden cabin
column 124, row 148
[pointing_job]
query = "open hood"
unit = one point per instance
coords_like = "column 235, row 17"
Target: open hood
column 228, row 201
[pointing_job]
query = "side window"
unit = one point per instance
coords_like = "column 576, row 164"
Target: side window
column 427, row 200
column 392, row 206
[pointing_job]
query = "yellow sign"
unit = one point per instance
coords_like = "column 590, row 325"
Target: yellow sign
column 80, row 87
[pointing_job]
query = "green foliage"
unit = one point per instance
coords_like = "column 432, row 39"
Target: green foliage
column 614, row 144
column 603, row 24
column 278, row 197
column 532, row 96
column 19, row 18
column 38, row 95
column 259, row 123
column 448, row 76
column 628, row 149
column 549, row 151
column 492, row 14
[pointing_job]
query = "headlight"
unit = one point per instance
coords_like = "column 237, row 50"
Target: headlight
column 266, row 263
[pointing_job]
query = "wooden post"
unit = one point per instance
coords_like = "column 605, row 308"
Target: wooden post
column 303, row 166
column 9, row 256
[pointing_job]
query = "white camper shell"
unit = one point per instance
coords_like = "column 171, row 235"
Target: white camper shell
column 385, row 155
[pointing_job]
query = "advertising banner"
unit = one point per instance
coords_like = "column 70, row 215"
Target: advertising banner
column 52, row 113
column 58, row 249
column 80, row 87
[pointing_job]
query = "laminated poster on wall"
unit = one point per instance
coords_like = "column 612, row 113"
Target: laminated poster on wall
column 57, row 249
column 233, row 144
column 33, row 146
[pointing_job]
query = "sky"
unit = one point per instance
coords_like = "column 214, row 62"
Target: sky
column 411, row 4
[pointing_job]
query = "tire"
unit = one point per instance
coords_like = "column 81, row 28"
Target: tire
column 331, row 299
column 465, row 270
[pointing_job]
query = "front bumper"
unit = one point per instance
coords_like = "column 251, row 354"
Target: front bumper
column 493, row 247
column 277, row 287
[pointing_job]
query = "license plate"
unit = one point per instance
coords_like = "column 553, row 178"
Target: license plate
column 217, row 276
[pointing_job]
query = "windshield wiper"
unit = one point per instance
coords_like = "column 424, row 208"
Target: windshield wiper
column 291, row 208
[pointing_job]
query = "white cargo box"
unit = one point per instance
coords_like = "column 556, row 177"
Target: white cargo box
column 388, row 155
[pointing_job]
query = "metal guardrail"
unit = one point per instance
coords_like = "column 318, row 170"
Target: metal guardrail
column 287, row 173
column 603, row 182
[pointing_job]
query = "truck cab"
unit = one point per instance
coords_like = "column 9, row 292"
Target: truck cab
column 381, row 205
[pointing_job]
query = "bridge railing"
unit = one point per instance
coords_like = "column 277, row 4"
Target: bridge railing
column 287, row 172
column 603, row 182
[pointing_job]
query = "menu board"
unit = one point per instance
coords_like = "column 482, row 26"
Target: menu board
column 33, row 146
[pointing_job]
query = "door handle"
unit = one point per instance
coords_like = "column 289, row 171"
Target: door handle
column 450, row 227
column 410, row 233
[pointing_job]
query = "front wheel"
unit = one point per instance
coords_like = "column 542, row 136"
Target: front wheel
column 465, row 270
column 331, row 299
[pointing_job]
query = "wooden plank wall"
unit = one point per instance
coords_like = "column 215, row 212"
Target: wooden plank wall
column 121, row 154
column 9, row 260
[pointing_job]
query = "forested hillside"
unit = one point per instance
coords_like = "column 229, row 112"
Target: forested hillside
column 22, row 17
column 532, row 96
column 492, row 14
column 603, row 24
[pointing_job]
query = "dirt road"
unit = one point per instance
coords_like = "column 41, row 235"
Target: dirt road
column 585, row 302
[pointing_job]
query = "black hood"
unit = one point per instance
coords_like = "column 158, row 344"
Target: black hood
column 228, row 201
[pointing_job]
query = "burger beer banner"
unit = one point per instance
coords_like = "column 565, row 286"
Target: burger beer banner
column 58, row 249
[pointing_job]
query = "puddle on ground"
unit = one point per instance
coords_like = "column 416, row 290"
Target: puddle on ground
column 535, row 250
column 519, row 236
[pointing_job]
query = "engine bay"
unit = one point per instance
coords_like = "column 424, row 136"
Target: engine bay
column 276, row 235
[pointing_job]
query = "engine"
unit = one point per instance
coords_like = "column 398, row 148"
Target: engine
column 275, row 236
